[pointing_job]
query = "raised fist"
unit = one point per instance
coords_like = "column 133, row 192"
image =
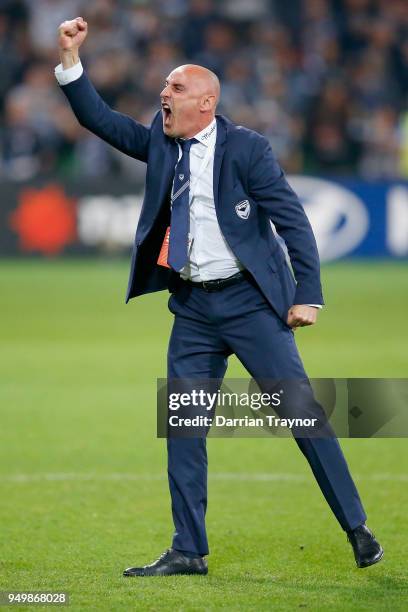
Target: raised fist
column 71, row 34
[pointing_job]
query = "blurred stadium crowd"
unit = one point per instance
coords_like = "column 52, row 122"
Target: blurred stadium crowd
column 325, row 80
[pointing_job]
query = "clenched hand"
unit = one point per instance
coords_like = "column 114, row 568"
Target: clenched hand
column 71, row 35
column 301, row 315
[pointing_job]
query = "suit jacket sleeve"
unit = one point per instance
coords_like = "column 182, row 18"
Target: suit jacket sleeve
column 119, row 130
column 270, row 189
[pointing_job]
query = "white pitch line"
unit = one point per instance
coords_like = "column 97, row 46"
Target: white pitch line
column 217, row 476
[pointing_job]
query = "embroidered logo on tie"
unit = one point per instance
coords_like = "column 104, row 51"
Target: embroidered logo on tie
column 181, row 177
column 243, row 209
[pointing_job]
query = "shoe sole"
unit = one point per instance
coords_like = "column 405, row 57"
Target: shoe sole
column 164, row 575
column 362, row 566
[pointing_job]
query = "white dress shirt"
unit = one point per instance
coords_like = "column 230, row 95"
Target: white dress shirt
column 209, row 256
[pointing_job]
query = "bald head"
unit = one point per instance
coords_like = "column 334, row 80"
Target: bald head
column 189, row 100
column 203, row 79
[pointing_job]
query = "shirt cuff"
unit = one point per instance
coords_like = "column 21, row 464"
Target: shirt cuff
column 69, row 74
column 319, row 306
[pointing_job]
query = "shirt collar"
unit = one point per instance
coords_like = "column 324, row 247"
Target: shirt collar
column 208, row 135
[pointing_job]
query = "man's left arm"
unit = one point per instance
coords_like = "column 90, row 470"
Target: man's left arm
column 269, row 187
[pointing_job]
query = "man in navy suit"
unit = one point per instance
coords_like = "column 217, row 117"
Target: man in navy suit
column 212, row 189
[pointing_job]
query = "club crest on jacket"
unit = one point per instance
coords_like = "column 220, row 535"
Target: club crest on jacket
column 243, row 209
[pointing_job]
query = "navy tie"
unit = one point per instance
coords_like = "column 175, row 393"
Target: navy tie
column 180, row 214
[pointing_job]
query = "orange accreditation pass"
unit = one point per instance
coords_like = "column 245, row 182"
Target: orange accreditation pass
column 164, row 251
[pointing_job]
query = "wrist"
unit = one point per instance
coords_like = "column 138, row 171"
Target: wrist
column 69, row 58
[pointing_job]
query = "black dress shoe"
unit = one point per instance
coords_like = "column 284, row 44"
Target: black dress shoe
column 367, row 550
column 170, row 563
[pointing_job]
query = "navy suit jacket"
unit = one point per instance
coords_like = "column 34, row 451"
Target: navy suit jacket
column 244, row 169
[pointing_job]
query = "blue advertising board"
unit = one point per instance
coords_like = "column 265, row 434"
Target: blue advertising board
column 352, row 217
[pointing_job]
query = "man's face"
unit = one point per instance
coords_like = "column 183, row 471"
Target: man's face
column 181, row 101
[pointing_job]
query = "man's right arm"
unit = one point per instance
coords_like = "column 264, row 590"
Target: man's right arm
column 119, row 130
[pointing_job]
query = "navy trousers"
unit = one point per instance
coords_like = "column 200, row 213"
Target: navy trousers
column 208, row 327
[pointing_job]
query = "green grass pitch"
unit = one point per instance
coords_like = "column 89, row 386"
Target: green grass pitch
column 82, row 476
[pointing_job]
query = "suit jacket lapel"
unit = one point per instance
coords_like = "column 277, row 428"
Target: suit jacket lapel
column 167, row 174
column 218, row 157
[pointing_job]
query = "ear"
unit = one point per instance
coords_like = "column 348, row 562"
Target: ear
column 207, row 103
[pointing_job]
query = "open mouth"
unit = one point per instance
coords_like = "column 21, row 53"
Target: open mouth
column 167, row 114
